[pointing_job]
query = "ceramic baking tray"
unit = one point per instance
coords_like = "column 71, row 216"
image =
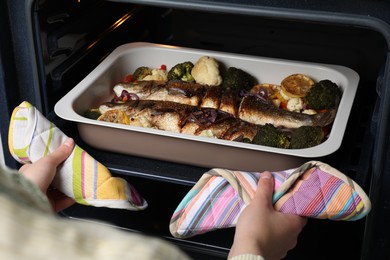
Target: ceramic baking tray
column 96, row 88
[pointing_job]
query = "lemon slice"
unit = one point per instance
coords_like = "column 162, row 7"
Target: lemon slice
column 115, row 116
column 296, row 85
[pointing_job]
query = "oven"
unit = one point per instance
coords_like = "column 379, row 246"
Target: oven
column 48, row 46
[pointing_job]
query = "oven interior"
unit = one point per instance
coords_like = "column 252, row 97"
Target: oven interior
column 72, row 37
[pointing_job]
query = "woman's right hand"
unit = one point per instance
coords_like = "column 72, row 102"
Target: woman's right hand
column 261, row 230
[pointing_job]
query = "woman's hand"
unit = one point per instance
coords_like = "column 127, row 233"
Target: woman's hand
column 261, row 230
column 43, row 171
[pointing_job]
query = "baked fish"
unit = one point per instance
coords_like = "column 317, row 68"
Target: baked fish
column 248, row 108
column 256, row 111
column 193, row 94
column 179, row 118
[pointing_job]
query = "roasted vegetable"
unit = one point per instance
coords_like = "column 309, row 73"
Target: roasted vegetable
column 269, row 135
column 181, row 71
column 206, row 71
column 115, row 116
column 306, row 136
column 145, row 74
column 323, row 95
column 237, row 79
column 141, row 72
column 296, row 85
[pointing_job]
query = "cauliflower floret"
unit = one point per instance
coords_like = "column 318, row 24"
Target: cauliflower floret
column 295, row 104
column 206, row 71
column 157, row 74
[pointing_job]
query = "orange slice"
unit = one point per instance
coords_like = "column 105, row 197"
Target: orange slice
column 296, row 85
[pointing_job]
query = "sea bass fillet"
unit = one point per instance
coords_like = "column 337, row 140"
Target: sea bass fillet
column 180, row 118
column 248, row 108
column 255, row 111
column 182, row 92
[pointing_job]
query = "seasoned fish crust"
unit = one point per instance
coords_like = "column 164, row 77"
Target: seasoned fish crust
column 181, row 118
column 182, row 92
column 255, row 111
column 247, row 108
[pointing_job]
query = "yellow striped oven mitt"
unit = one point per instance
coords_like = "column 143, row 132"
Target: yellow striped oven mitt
column 314, row 190
column 81, row 177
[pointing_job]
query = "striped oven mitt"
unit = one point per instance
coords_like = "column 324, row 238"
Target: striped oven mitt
column 314, row 190
column 81, row 177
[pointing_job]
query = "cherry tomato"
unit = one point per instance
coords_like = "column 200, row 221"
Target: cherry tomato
column 128, row 78
column 283, row 105
column 163, row 67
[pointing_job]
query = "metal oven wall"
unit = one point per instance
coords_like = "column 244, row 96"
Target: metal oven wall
column 43, row 55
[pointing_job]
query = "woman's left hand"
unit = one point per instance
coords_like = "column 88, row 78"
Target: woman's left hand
column 43, row 171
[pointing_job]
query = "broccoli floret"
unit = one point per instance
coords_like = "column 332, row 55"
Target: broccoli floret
column 323, row 95
column 306, row 136
column 269, row 135
column 237, row 79
column 181, row 71
column 141, row 73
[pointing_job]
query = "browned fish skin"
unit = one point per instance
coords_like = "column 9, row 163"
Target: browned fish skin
column 229, row 103
column 212, row 98
column 255, row 111
column 248, row 108
column 175, row 91
column 184, row 93
column 180, row 118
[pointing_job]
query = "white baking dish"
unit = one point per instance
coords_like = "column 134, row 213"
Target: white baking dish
column 201, row 151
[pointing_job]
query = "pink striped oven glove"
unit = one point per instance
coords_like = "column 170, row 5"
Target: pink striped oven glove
column 314, row 190
column 81, row 177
